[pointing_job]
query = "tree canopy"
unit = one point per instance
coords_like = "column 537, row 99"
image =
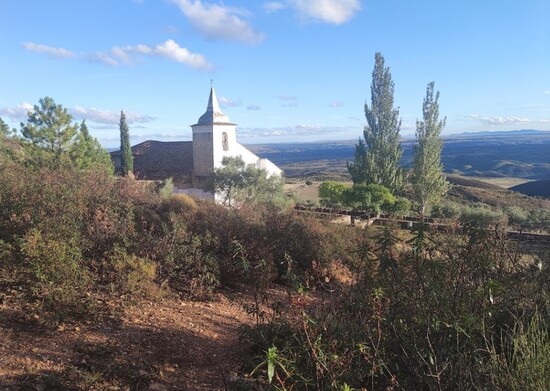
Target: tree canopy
column 86, row 152
column 237, row 182
column 377, row 159
column 49, row 138
column 47, row 134
column 126, row 158
column 429, row 183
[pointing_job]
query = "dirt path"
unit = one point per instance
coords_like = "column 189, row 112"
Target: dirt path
column 165, row 345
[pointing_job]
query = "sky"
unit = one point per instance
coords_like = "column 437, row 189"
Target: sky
column 283, row 70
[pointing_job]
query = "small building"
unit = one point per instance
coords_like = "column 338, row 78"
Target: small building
column 190, row 163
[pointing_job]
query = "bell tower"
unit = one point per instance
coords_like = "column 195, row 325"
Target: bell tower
column 214, row 137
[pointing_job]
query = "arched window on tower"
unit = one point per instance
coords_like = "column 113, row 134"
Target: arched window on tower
column 225, row 143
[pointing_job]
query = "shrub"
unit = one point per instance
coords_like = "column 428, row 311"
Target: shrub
column 418, row 317
column 400, row 207
column 179, row 203
column 482, row 217
column 524, row 361
column 134, row 275
column 369, row 197
column 55, row 271
column 446, row 211
column 167, row 188
column 331, row 193
column 517, row 217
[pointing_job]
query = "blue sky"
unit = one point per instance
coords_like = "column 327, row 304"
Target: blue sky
column 284, row 70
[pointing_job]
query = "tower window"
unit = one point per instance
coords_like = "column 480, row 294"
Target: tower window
column 225, row 143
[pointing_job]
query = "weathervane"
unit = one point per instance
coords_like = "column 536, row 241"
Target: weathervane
column 211, row 82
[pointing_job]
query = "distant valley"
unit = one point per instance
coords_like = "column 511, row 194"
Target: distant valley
column 520, row 154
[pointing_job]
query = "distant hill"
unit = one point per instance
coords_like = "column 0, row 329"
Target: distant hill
column 534, row 189
column 519, row 153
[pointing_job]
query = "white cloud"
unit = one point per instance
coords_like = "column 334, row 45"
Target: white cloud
column 253, row 107
column 336, row 103
column 217, row 21
column 173, row 51
column 108, row 117
column 547, row 92
column 169, row 49
column 286, row 97
column 274, row 6
column 329, row 11
column 18, row 112
column 295, row 130
column 497, row 121
column 105, row 58
column 225, row 102
column 126, row 54
column 48, row 50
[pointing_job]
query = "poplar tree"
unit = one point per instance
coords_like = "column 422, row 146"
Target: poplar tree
column 379, row 164
column 429, row 183
column 126, row 158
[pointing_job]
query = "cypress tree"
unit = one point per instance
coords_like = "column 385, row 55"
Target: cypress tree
column 429, row 183
column 126, row 158
column 379, row 163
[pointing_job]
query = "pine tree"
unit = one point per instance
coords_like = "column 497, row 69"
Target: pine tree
column 86, row 152
column 4, row 128
column 126, row 158
column 380, row 163
column 429, row 183
column 48, row 134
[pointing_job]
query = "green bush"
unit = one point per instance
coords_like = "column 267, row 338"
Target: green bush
column 134, row 275
column 524, row 361
column 55, row 271
column 481, row 216
column 446, row 211
column 418, row 317
column 331, row 193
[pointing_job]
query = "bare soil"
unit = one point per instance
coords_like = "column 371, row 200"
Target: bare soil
column 167, row 344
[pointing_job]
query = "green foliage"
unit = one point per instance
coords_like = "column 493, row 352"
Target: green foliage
column 241, row 183
column 50, row 139
column 359, row 168
column 167, row 188
column 86, row 152
column 47, row 134
column 134, row 275
column 428, row 182
column 377, row 160
column 446, row 210
column 369, row 197
column 419, row 316
column 4, row 129
column 524, row 362
column 331, row 193
column 126, row 157
column 179, row 203
column 482, row 217
column 400, row 207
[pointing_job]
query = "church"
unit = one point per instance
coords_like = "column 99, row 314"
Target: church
column 189, row 163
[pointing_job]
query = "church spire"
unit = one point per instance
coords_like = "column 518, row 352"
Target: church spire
column 213, row 112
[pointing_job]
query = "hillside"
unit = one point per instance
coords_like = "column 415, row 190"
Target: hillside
column 535, row 188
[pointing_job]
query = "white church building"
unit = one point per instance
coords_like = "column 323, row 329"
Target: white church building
column 190, row 163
